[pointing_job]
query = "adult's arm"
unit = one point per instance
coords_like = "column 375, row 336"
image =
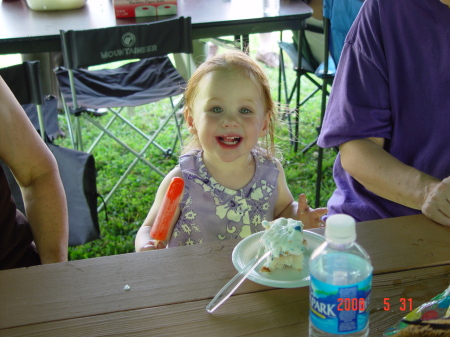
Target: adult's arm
column 379, row 172
column 36, row 172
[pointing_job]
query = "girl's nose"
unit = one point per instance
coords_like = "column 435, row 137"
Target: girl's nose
column 229, row 121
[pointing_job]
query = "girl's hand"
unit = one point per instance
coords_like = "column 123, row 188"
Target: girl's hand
column 150, row 245
column 311, row 218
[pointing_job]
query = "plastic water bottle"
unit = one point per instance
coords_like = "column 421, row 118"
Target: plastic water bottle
column 341, row 282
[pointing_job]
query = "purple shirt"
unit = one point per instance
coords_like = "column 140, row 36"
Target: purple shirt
column 212, row 212
column 393, row 82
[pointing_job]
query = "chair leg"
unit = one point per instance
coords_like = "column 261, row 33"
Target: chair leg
column 178, row 127
column 138, row 155
column 298, row 86
column 320, row 150
column 69, row 123
column 100, row 136
column 144, row 135
column 283, row 89
column 175, row 110
column 117, row 114
column 309, row 146
column 124, row 145
column 294, row 111
column 41, row 121
column 78, row 134
column 319, row 176
column 128, row 171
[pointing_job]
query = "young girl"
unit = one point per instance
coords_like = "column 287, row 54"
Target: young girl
column 232, row 181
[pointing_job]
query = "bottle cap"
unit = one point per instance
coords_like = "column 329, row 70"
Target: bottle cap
column 340, row 228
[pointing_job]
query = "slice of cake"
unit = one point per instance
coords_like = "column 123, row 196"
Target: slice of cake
column 285, row 236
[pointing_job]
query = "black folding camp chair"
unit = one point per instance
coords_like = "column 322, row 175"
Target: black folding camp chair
column 24, row 81
column 311, row 69
column 150, row 79
column 338, row 17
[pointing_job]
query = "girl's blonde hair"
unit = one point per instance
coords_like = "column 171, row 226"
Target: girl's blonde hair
column 234, row 60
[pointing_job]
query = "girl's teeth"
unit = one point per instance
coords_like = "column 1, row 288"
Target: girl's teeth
column 230, row 140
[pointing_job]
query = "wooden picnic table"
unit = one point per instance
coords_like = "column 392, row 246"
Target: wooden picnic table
column 169, row 289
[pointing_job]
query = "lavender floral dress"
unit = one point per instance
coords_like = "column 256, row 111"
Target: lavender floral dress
column 212, row 212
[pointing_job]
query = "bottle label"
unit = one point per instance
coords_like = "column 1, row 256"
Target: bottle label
column 340, row 309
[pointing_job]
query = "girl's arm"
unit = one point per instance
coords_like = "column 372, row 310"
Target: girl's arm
column 143, row 240
column 287, row 207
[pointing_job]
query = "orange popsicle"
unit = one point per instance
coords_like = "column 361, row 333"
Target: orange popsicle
column 166, row 212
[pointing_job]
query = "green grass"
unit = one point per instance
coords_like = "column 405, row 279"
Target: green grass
column 127, row 209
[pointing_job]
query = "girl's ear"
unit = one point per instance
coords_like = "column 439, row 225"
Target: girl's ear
column 189, row 122
column 265, row 126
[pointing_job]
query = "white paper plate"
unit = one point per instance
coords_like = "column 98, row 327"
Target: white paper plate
column 279, row 278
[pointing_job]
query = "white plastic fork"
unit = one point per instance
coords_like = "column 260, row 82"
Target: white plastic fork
column 236, row 281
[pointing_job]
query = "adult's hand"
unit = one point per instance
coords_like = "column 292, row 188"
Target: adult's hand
column 436, row 204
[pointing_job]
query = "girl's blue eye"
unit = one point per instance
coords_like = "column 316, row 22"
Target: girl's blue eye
column 216, row 109
column 245, row 111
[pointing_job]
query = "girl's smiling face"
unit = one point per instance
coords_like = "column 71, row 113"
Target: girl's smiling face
column 228, row 115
